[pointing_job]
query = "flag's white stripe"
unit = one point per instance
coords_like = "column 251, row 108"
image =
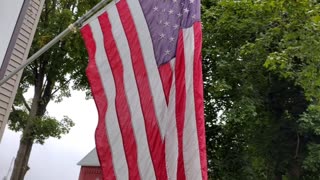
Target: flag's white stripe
column 144, row 159
column 112, row 126
column 159, row 99
column 171, row 137
column 190, row 136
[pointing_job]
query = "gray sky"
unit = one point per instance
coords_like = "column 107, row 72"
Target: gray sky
column 57, row 158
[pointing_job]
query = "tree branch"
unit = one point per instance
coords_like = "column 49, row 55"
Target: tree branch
column 25, row 103
column 298, row 145
column 44, row 85
column 56, row 90
column 14, row 109
column 48, row 88
column 45, row 98
column 35, row 73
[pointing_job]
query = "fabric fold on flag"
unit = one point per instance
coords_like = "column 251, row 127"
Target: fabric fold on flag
column 146, row 79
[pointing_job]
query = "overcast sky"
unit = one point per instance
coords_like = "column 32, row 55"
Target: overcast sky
column 57, row 158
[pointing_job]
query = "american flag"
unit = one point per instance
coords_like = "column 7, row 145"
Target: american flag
column 146, row 79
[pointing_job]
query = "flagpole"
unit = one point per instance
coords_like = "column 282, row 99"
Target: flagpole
column 71, row 28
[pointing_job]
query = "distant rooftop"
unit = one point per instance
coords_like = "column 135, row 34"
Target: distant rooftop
column 91, row 159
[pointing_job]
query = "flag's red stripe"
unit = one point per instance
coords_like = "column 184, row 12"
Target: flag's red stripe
column 180, row 102
column 198, row 99
column 122, row 107
column 166, row 79
column 102, row 144
column 156, row 145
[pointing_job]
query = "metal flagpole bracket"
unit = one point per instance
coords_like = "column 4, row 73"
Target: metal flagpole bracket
column 71, row 28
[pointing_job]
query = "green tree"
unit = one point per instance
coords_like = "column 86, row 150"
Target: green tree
column 261, row 71
column 50, row 77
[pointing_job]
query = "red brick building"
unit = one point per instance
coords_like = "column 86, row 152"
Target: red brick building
column 90, row 167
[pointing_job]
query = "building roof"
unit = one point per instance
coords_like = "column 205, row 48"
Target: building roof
column 91, row 159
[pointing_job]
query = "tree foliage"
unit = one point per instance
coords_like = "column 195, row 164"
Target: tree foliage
column 261, row 71
column 43, row 128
